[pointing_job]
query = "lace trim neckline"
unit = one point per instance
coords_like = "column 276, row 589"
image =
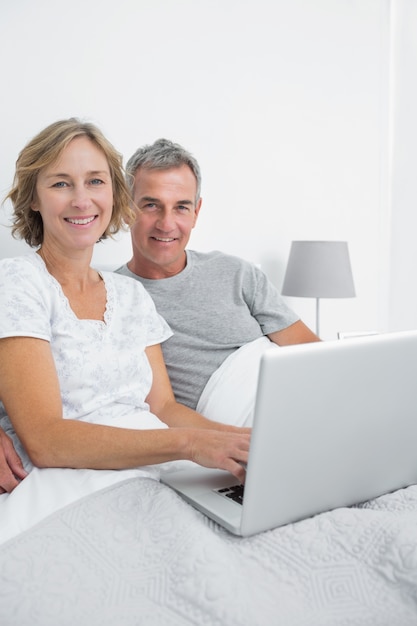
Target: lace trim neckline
column 108, row 311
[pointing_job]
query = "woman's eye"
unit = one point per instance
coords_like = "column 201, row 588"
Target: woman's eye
column 60, row 184
column 96, row 181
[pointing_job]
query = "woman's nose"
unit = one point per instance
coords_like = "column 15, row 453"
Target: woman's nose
column 81, row 198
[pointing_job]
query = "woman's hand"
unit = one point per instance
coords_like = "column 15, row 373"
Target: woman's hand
column 220, row 449
column 11, row 468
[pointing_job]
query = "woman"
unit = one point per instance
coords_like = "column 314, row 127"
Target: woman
column 82, row 378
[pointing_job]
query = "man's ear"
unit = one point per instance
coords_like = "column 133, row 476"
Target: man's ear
column 197, row 210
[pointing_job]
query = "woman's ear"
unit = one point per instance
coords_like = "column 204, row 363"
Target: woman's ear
column 34, row 203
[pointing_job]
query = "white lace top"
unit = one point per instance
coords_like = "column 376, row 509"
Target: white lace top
column 102, row 368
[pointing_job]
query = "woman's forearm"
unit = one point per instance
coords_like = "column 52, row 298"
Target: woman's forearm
column 69, row 443
column 75, row 444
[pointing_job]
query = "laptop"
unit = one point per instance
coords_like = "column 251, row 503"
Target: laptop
column 335, row 424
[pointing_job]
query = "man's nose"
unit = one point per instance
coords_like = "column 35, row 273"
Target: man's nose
column 165, row 221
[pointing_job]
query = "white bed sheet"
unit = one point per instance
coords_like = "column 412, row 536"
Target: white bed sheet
column 136, row 554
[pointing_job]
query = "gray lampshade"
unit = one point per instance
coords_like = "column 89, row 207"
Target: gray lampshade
column 319, row 269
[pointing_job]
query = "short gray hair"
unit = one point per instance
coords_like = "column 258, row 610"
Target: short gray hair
column 163, row 154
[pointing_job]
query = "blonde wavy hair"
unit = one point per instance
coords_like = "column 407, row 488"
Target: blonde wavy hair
column 43, row 150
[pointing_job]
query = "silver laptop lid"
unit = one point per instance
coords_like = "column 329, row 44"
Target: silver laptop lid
column 335, row 424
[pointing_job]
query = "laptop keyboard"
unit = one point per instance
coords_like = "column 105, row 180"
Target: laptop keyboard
column 234, row 492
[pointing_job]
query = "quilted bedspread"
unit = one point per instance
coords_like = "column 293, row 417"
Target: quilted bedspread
column 136, row 554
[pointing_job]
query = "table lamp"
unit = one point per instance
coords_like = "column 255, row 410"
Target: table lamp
column 319, row 269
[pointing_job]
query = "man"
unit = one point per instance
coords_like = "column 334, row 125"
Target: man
column 215, row 303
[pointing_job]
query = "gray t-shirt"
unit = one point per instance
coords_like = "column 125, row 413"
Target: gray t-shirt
column 214, row 306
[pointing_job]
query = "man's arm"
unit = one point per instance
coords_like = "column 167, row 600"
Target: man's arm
column 296, row 333
column 179, row 415
column 11, row 468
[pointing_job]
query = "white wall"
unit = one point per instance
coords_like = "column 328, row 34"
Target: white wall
column 284, row 103
column 402, row 295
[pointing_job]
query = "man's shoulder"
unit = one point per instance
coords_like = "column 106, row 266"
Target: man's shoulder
column 215, row 257
column 123, row 269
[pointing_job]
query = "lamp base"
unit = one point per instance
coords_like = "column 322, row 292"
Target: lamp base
column 318, row 317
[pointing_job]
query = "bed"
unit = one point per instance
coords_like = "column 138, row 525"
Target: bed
column 135, row 553
column 122, row 548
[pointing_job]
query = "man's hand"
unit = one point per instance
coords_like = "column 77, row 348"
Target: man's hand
column 11, row 468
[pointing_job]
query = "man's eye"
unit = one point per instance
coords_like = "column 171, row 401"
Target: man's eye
column 150, row 206
column 183, row 209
